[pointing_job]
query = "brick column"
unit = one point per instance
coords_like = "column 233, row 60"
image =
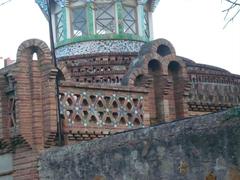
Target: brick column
column 35, row 89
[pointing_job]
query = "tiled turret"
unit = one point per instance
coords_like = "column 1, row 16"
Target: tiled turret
column 92, row 26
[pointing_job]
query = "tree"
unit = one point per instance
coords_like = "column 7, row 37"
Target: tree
column 232, row 11
column 5, row 2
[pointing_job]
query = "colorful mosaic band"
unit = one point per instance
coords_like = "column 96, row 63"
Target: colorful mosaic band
column 98, row 47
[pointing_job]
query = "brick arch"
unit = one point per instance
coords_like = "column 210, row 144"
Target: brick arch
column 166, row 87
column 146, row 58
column 164, row 62
column 169, row 59
column 143, row 69
column 178, row 78
column 31, row 46
column 150, row 56
column 163, row 85
column 137, row 72
column 152, row 47
column 164, row 42
column 63, row 71
column 147, row 53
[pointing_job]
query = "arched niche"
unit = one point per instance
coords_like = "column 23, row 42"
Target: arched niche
column 176, row 102
column 153, row 66
column 60, row 75
column 139, row 80
column 163, row 50
column 34, row 49
column 154, row 70
column 174, row 67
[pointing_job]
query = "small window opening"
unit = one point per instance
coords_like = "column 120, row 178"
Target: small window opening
column 35, row 57
column 163, row 50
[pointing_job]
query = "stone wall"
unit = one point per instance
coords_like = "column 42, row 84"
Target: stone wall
column 205, row 147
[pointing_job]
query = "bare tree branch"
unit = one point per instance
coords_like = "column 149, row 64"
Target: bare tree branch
column 231, row 7
column 232, row 18
column 232, row 2
column 7, row 1
column 232, row 11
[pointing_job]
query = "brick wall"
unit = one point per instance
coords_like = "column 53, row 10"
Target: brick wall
column 4, row 109
column 212, row 89
column 99, row 69
column 27, row 123
column 25, row 163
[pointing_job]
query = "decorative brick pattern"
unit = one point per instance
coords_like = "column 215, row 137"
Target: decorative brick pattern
column 212, row 89
column 98, row 109
column 107, row 69
column 95, row 108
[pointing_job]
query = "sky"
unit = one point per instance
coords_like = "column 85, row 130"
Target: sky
column 194, row 27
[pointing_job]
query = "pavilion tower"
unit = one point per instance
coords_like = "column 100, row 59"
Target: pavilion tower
column 96, row 40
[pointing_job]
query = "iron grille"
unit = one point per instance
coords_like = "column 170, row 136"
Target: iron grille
column 79, row 22
column 129, row 19
column 146, row 25
column 105, row 18
column 59, row 26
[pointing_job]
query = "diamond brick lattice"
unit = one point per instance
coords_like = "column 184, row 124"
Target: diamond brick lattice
column 98, row 110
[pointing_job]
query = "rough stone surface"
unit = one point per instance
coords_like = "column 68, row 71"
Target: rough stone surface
column 205, row 147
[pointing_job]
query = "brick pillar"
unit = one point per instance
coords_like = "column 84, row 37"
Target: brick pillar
column 4, row 132
column 35, row 90
column 177, row 99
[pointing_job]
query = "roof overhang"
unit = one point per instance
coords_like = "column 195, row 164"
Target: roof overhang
column 43, row 5
column 153, row 4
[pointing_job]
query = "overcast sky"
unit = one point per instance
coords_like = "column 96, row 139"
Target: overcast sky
column 195, row 28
